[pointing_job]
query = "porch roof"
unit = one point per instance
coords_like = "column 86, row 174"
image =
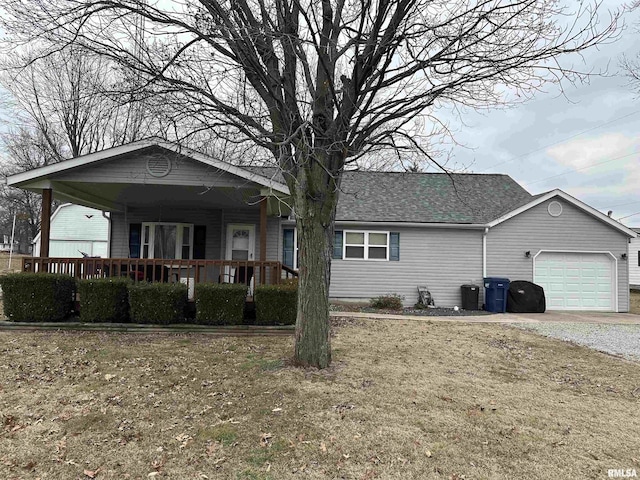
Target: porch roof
column 119, row 176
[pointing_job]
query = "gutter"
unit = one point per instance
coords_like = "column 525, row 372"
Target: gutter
column 355, row 224
column 484, row 252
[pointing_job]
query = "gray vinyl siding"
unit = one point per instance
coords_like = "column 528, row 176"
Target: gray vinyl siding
column 133, row 169
column 441, row 259
column 216, row 222
column 535, row 230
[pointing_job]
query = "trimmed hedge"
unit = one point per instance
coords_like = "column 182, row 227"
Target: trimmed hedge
column 220, row 304
column 276, row 304
column 160, row 303
column 37, row 297
column 104, row 300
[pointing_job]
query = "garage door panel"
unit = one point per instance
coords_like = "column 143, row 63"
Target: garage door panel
column 556, row 287
column 576, row 281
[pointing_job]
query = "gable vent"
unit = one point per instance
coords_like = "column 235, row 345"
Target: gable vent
column 555, row 209
column 158, row 166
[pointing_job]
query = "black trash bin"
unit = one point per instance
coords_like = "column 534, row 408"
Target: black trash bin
column 496, row 290
column 469, row 295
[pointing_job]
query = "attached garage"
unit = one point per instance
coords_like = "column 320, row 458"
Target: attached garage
column 576, row 253
column 577, row 280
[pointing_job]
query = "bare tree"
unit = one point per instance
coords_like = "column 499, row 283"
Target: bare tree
column 318, row 84
column 25, row 150
column 68, row 98
column 631, row 64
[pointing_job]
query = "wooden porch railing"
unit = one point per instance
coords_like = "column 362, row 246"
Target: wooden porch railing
column 190, row 272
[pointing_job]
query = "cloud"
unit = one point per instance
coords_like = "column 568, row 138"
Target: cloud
column 595, row 152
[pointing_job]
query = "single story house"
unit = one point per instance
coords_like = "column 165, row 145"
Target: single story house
column 76, row 230
column 213, row 221
column 634, row 260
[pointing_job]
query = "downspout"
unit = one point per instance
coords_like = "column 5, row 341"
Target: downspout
column 108, row 217
column 484, row 253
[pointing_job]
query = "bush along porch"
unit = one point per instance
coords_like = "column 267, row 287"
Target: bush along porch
column 45, row 297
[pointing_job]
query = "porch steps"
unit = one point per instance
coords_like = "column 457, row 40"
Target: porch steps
column 221, row 331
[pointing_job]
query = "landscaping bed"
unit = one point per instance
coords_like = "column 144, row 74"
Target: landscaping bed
column 421, row 312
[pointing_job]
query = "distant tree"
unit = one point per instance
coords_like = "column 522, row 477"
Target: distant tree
column 631, row 64
column 24, row 150
column 318, row 84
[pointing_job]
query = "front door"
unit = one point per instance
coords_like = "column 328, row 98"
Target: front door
column 241, row 244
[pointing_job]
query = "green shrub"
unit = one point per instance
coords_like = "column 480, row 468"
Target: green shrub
column 276, row 304
column 220, row 303
column 37, row 297
column 104, row 300
column 161, row 303
column 390, row 301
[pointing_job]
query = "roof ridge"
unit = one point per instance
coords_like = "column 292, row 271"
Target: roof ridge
column 428, row 173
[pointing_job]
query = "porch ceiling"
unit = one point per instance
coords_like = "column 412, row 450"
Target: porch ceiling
column 114, row 196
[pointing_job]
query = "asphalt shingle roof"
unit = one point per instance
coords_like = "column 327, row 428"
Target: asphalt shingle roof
column 424, row 197
column 427, row 197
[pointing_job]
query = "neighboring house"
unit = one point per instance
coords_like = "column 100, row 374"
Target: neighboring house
column 5, row 245
column 394, row 231
column 634, row 260
column 76, row 229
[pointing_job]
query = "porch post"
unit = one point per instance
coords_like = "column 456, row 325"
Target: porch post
column 263, row 238
column 45, row 222
column 263, row 229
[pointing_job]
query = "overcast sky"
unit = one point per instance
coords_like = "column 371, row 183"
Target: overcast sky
column 587, row 145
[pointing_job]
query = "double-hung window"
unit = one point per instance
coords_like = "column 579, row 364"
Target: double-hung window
column 363, row 245
column 167, row 240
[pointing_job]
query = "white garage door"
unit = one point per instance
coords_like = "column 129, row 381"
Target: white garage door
column 576, row 281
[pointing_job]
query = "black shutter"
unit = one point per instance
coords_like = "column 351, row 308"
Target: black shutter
column 288, row 248
column 394, row 246
column 135, row 238
column 199, row 242
column 337, row 244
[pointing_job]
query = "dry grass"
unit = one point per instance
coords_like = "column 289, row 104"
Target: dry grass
column 635, row 302
column 402, row 400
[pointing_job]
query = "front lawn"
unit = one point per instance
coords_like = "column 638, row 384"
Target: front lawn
column 403, row 399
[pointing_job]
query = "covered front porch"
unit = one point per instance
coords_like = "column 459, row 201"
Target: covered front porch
column 174, row 215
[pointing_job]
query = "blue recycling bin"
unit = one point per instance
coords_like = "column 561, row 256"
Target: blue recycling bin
column 495, row 294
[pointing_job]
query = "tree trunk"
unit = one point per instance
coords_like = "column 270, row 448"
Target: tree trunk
column 314, row 220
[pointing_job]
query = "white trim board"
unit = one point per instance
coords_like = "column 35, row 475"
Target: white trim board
column 573, row 201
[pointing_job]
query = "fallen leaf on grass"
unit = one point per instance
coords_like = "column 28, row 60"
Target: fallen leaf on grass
column 212, row 448
column 264, row 439
column 92, row 473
